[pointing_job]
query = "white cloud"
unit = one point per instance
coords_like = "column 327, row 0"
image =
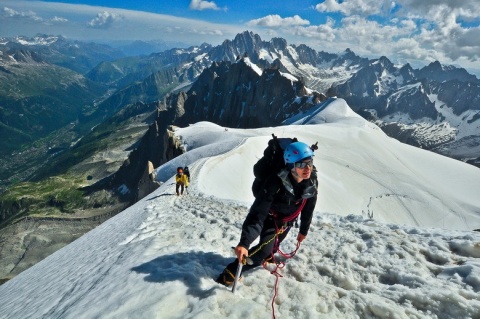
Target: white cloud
column 59, row 19
column 216, row 32
column 366, row 30
column 410, row 29
column 80, row 20
column 443, row 32
column 464, row 8
column 324, row 32
column 203, row 5
column 422, row 30
column 362, row 7
column 452, row 43
column 275, row 21
column 11, row 13
column 31, row 16
column 365, row 37
column 104, row 20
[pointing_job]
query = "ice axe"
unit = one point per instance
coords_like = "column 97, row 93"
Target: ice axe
column 239, row 271
column 237, row 276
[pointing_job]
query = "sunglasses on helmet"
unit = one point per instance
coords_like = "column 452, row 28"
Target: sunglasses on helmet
column 304, row 164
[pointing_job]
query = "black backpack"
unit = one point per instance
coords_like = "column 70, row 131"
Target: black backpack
column 272, row 161
column 186, row 172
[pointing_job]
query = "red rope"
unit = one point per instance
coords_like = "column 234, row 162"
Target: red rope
column 292, row 216
column 276, row 246
column 292, row 254
column 279, row 265
column 277, row 276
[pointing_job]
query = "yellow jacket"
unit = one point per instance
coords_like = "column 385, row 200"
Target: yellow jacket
column 181, row 179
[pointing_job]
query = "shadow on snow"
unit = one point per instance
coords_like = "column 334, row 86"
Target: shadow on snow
column 187, row 267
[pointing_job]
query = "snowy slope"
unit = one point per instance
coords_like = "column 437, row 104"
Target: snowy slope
column 157, row 258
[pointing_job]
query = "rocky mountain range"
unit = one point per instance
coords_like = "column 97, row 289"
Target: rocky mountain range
column 57, row 50
column 109, row 120
column 425, row 107
column 430, row 108
column 244, row 82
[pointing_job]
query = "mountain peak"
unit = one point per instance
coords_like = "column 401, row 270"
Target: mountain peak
column 435, row 66
column 348, row 54
column 247, row 36
column 385, row 62
column 279, row 43
column 440, row 73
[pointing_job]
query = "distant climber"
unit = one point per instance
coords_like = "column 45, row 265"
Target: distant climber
column 181, row 181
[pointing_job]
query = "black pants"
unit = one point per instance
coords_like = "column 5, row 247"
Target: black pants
column 268, row 232
column 181, row 187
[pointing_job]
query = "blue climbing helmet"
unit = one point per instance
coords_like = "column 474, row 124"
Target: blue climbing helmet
column 296, row 152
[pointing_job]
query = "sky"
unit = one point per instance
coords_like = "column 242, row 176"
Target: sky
column 413, row 31
column 390, row 237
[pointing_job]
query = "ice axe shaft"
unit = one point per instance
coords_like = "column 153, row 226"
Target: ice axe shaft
column 237, row 276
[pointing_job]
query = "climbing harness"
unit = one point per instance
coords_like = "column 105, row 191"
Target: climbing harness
column 279, row 231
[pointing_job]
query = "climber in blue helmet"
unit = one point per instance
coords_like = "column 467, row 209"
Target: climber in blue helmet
column 285, row 196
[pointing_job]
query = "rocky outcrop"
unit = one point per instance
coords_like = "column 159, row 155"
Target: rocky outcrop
column 387, row 89
column 229, row 94
column 156, row 147
column 173, row 146
column 25, row 56
column 241, row 95
column 459, row 95
column 412, row 100
column 417, row 135
column 147, row 183
column 13, row 207
column 372, row 85
column 441, row 73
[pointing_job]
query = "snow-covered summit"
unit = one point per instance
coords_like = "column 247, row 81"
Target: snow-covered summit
column 39, row 39
column 253, row 66
column 364, row 257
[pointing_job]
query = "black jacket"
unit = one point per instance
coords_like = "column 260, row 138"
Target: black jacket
column 282, row 195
